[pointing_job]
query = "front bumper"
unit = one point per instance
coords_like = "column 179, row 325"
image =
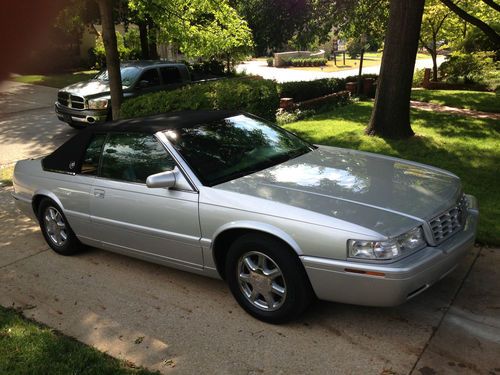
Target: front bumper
column 395, row 283
column 80, row 116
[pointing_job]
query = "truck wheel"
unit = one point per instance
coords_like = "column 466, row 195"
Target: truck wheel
column 267, row 278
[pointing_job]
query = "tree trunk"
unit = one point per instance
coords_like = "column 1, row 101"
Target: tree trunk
column 391, row 112
column 112, row 57
column 153, row 52
column 434, row 66
column 143, row 36
column 360, row 76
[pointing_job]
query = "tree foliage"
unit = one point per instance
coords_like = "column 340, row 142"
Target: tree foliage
column 201, row 28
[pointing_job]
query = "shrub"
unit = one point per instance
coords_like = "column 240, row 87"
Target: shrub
column 467, row 66
column 270, row 61
column 418, row 77
column 307, row 61
column 286, row 117
column 249, row 94
column 305, row 90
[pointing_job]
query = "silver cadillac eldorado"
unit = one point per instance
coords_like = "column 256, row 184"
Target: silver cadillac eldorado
column 225, row 194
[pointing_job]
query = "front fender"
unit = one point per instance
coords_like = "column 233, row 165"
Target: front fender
column 261, row 227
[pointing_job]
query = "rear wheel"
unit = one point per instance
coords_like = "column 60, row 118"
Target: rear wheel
column 56, row 230
column 267, row 278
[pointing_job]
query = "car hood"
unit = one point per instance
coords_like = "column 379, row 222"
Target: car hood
column 385, row 194
column 88, row 88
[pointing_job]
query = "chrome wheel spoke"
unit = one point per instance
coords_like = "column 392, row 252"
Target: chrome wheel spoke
column 261, row 281
column 277, row 289
column 261, row 262
column 272, row 274
column 250, row 265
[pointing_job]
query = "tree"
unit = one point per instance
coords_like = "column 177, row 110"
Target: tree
column 434, row 22
column 201, row 28
column 364, row 24
column 492, row 34
column 391, row 112
column 112, row 57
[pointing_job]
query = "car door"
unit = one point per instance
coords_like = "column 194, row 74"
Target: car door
column 151, row 223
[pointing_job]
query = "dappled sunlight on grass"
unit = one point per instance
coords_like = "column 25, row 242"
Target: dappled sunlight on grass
column 465, row 146
column 475, row 100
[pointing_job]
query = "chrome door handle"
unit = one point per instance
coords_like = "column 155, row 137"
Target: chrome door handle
column 98, row 193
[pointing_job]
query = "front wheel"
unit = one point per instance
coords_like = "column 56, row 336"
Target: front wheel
column 267, row 278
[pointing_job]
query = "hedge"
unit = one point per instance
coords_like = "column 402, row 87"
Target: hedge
column 305, row 90
column 257, row 96
column 308, row 61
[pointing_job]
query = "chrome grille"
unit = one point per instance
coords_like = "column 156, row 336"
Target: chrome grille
column 70, row 101
column 449, row 222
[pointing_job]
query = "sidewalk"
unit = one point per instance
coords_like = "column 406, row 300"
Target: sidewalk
column 424, row 106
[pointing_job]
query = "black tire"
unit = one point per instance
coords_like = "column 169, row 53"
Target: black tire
column 278, row 259
column 69, row 243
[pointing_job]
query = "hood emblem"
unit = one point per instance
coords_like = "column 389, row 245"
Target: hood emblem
column 72, row 165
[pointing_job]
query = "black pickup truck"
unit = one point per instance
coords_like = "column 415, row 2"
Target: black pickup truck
column 89, row 102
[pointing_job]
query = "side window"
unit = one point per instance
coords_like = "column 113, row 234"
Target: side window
column 90, row 163
column 170, row 75
column 151, row 78
column 133, row 157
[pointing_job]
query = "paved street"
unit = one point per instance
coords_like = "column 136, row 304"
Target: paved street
column 181, row 323
column 259, row 67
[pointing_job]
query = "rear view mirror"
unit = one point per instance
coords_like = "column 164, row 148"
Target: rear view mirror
column 161, row 180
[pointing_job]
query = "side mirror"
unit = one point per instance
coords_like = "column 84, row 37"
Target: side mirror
column 161, row 180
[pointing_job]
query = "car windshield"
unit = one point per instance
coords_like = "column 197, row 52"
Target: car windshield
column 129, row 75
column 227, row 149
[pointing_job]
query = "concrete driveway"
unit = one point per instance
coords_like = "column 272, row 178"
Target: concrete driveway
column 181, row 323
column 28, row 124
column 260, row 68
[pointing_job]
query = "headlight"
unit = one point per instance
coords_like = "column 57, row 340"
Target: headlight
column 98, row 103
column 382, row 250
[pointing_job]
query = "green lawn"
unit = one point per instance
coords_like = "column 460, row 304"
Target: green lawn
column 56, row 80
column 6, row 175
column 29, row 348
column 477, row 100
column 465, row 146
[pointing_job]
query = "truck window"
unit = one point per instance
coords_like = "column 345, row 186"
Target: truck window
column 151, row 76
column 170, row 75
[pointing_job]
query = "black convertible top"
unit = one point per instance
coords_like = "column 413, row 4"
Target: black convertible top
column 68, row 157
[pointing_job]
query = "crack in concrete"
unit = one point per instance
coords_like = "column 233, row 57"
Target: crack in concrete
column 445, row 313
column 21, row 259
